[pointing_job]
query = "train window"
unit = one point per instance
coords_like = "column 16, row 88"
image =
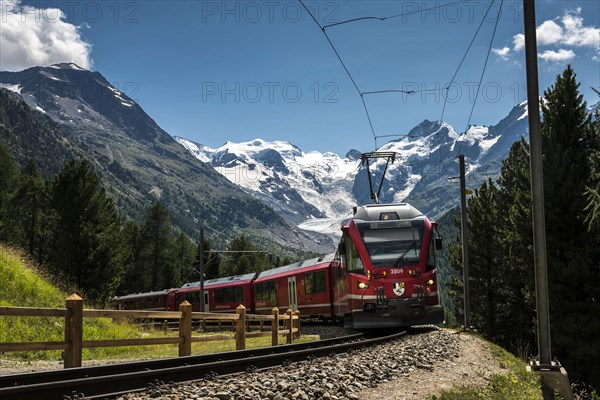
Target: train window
column 261, row 291
column 192, row 297
column 353, row 262
column 315, row 282
column 272, row 296
column 266, row 291
column 219, row 295
column 393, row 246
column 321, row 282
column 238, row 294
column 229, row 295
column 309, row 283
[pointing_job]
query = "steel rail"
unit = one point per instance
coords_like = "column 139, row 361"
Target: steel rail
column 113, row 369
column 110, row 380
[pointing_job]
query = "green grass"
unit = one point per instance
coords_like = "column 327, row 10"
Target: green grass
column 21, row 284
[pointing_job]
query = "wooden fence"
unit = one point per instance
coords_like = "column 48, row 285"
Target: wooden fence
column 74, row 315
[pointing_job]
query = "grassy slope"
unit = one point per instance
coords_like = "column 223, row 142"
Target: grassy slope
column 21, row 285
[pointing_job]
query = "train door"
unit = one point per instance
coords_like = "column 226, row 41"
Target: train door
column 206, row 304
column 292, row 293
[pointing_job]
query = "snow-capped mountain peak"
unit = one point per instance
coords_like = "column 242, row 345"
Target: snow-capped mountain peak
column 317, row 190
column 72, row 66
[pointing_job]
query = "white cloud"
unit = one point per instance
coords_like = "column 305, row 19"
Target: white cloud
column 571, row 33
column 519, row 42
column 549, row 32
column 559, row 56
column 39, row 37
column 502, row 53
column 578, row 35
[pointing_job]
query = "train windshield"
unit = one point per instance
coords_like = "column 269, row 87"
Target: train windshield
column 393, row 243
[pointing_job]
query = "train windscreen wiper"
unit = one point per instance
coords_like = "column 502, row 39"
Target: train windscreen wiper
column 400, row 260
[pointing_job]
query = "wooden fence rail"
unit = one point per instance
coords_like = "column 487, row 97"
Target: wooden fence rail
column 74, row 315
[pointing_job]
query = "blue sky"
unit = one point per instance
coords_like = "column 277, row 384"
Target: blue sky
column 213, row 71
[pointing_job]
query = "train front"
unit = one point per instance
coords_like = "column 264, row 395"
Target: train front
column 389, row 268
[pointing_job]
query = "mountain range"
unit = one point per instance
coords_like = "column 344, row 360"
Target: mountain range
column 290, row 198
column 316, row 191
column 77, row 113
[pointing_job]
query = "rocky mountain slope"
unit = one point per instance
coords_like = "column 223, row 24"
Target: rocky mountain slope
column 138, row 161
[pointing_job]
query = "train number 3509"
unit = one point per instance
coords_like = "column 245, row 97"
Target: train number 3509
column 396, row 271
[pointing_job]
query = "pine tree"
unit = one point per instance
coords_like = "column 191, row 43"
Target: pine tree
column 8, row 177
column 212, row 262
column 86, row 237
column 448, row 231
column 487, row 283
column 454, row 283
column 500, row 248
column 516, row 230
column 245, row 257
column 29, row 207
column 592, row 219
column 573, row 261
column 212, row 266
column 570, row 146
column 592, row 209
column 155, row 248
column 133, row 278
column 184, row 251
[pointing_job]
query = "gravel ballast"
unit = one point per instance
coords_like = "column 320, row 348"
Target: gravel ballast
column 340, row 376
column 416, row 366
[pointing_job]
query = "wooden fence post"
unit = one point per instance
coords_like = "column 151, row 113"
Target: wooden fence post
column 275, row 327
column 289, row 325
column 296, row 324
column 240, row 328
column 185, row 329
column 74, row 331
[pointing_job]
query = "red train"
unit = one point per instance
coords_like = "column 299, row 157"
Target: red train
column 153, row 301
column 382, row 275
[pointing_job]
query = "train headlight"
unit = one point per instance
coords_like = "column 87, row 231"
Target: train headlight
column 430, row 282
column 362, row 285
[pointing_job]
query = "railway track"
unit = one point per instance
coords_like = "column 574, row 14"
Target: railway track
column 112, row 380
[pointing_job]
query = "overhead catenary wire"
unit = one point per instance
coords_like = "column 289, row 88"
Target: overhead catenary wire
column 391, row 91
column 363, row 94
column 464, row 58
column 345, row 69
column 460, row 64
column 413, row 91
column 360, row 93
column 396, row 15
column 487, row 57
